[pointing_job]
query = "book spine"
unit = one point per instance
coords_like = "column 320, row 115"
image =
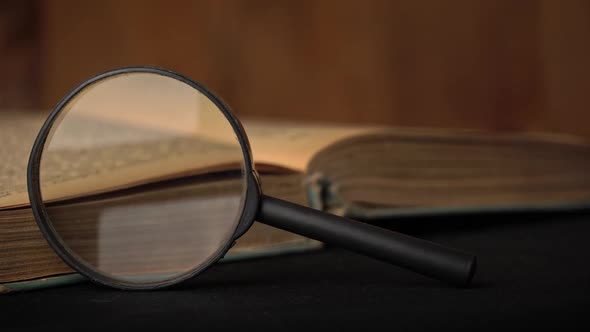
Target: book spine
column 323, row 195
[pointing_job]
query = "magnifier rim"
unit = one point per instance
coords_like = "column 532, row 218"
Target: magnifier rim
column 251, row 199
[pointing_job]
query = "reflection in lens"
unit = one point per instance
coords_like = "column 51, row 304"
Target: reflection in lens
column 142, row 177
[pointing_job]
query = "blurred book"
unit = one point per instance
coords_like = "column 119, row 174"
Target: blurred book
column 360, row 172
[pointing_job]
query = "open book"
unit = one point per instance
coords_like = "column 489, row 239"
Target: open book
column 361, row 172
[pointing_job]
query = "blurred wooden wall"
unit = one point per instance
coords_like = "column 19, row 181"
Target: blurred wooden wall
column 496, row 64
column 19, row 54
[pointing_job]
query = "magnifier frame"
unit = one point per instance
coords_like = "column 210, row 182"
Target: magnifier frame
column 251, row 199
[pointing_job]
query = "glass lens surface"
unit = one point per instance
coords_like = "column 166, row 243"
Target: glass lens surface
column 142, row 177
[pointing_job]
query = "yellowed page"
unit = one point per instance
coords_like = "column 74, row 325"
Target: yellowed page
column 17, row 133
column 293, row 144
column 283, row 144
column 65, row 173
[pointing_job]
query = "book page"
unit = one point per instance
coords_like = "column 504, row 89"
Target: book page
column 281, row 144
column 18, row 130
column 292, row 144
column 121, row 155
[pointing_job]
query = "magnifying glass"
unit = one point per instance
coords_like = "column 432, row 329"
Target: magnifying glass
column 160, row 176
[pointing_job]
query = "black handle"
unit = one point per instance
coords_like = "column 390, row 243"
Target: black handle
column 418, row 255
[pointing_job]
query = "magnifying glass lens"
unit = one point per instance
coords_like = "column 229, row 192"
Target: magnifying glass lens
column 142, row 178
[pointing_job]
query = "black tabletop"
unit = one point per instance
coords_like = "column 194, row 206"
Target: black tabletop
column 533, row 273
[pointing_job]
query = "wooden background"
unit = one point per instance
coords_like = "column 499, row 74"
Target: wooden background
column 19, row 54
column 497, row 64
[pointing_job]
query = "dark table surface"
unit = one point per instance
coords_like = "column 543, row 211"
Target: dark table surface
column 533, row 274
